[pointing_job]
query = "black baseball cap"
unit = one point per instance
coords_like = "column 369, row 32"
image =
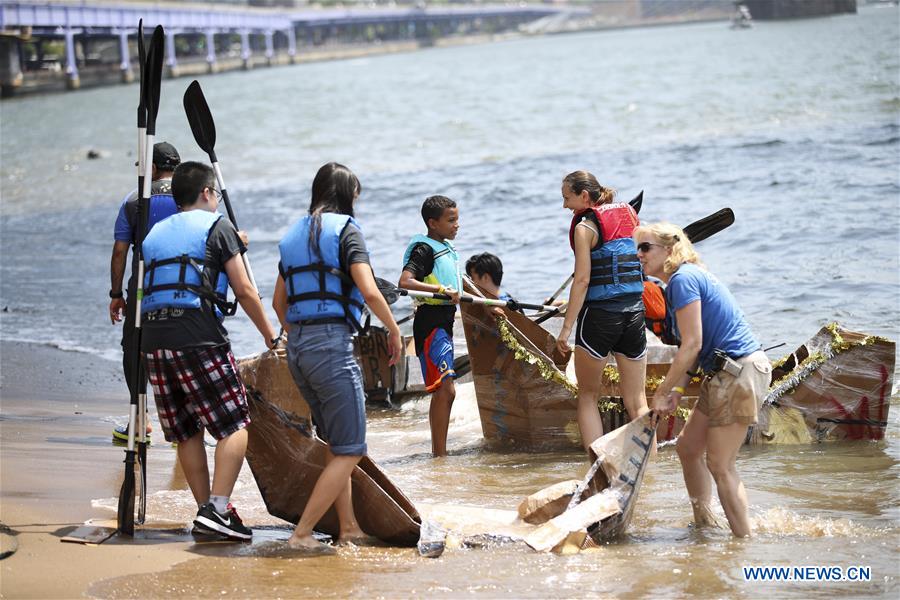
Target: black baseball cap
column 165, row 156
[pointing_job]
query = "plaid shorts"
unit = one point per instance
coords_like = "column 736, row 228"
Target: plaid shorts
column 197, row 388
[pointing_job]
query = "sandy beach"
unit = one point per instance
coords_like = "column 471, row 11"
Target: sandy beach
column 57, row 457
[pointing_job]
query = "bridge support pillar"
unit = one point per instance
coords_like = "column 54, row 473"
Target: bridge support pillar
column 171, row 59
column 270, row 47
column 292, row 45
column 211, row 64
column 73, row 81
column 10, row 68
column 246, row 53
column 125, row 57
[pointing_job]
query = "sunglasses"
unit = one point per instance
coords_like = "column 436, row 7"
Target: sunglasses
column 645, row 246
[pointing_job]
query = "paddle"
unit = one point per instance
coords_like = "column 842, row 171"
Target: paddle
column 392, row 293
column 204, row 129
column 636, row 204
column 148, row 106
column 125, row 511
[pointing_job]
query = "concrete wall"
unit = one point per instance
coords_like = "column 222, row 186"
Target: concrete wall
column 794, row 9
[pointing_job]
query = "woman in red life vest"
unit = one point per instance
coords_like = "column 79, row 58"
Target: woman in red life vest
column 605, row 299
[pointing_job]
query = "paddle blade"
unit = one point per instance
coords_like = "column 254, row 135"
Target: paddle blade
column 125, row 514
column 154, row 77
column 390, row 291
column 200, row 117
column 142, row 58
column 637, row 201
column 709, row 225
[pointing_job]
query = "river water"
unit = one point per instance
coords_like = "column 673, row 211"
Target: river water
column 795, row 125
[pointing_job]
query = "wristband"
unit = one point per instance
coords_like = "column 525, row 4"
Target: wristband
column 118, row 294
column 678, row 389
column 441, row 289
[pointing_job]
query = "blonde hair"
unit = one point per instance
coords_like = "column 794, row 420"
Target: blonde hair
column 672, row 236
column 579, row 181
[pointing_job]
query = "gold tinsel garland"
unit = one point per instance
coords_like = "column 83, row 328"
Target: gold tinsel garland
column 548, row 371
column 808, row 365
column 777, row 389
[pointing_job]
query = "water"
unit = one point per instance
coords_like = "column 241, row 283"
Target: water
column 795, row 125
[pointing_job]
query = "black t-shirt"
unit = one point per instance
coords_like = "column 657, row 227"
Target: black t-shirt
column 428, row 316
column 421, row 261
column 181, row 328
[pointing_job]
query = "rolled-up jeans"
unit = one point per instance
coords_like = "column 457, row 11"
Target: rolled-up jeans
column 329, row 378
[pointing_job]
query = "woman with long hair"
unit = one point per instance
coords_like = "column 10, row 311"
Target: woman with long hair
column 605, row 302
column 716, row 336
column 324, row 281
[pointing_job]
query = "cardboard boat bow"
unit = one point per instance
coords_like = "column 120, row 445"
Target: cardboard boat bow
column 286, row 459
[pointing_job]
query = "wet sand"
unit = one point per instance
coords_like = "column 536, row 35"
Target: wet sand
column 56, row 455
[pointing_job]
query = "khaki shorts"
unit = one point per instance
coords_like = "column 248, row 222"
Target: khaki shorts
column 727, row 399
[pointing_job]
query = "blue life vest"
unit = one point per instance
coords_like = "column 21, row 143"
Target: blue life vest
column 317, row 288
column 446, row 266
column 615, row 269
column 162, row 204
column 176, row 275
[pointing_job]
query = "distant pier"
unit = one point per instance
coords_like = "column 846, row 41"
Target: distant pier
column 54, row 46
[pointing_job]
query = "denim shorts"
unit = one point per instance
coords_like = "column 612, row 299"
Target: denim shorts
column 329, row 378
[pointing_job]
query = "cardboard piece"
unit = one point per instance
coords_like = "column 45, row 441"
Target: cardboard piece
column 286, row 459
column 603, row 502
column 89, row 534
column 550, row 502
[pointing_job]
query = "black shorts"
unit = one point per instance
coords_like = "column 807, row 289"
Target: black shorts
column 600, row 332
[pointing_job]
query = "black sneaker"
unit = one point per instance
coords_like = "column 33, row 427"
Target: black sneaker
column 227, row 523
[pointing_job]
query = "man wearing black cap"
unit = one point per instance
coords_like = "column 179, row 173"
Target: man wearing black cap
column 162, row 205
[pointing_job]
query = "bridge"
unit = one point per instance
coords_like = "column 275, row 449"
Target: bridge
column 30, row 31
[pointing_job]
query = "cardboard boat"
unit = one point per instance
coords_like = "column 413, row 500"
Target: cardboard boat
column 600, row 507
column 836, row 386
column 286, row 459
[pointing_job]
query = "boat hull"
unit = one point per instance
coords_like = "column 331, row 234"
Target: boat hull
column 524, row 399
column 286, row 459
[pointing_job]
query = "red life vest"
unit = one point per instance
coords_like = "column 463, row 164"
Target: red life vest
column 615, row 269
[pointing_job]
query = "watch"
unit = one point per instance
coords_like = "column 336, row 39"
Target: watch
column 118, row 294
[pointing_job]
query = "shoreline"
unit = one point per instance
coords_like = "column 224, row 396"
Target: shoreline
column 90, row 78
column 54, row 428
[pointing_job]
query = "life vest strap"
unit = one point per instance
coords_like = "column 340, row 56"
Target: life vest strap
column 203, row 291
column 346, row 284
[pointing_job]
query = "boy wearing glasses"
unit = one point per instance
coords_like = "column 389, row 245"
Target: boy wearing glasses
column 191, row 259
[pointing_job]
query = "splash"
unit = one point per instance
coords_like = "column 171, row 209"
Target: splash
column 782, row 522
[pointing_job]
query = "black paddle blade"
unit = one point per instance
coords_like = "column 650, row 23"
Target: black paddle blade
column 142, row 58
column 125, row 514
column 637, row 201
column 390, row 291
column 142, row 503
column 703, row 228
column 154, row 77
column 200, row 117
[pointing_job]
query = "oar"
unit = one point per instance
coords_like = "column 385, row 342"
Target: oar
column 636, row 204
column 204, row 129
column 148, row 105
column 125, row 511
column 703, row 228
column 392, row 293
column 154, row 84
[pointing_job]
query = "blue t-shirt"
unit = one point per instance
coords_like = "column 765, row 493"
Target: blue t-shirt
column 723, row 322
column 162, row 205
